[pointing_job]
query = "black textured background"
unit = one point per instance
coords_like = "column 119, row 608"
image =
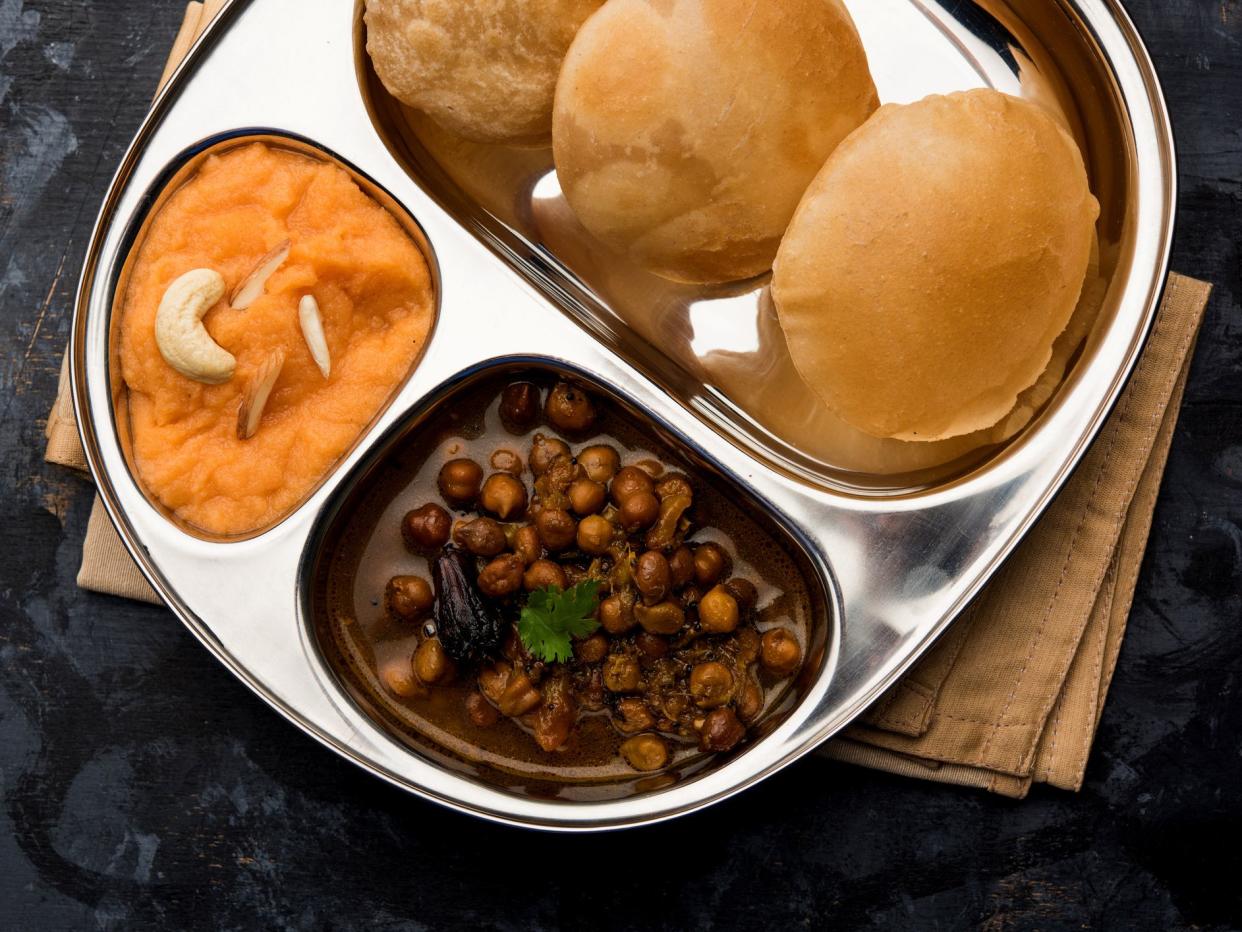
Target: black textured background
column 142, row 786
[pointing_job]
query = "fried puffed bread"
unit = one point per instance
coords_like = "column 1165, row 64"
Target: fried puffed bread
column 483, row 69
column 685, row 131
column 933, row 262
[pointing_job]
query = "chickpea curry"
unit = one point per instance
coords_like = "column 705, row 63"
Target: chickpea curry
column 534, row 587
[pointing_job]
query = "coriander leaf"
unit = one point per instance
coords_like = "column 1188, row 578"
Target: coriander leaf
column 551, row 617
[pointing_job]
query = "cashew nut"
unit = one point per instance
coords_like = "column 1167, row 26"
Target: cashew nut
column 184, row 342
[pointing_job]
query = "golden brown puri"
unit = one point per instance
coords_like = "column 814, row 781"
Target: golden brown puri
column 485, row 69
column 933, row 262
column 685, row 131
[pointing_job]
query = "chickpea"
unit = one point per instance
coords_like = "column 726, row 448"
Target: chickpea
column 652, row 645
column 506, row 460
column 674, row 485
column 645, row 752
column 663, row 618
column 554, row 720
column 630, row 481
column 408, row 598
column 460, row 481
column 746, row 646
column 502, row 577
column 519, row 696
column 503, row 495
column 663, row 536
column 519, row 406
column 779, row 652
column 689, row 597
column 710, row 564
column 398, row 676
column 600, row 462
column 652, row 576
column 426, row 528
column 494, row 677
column 543, row 450
column 482, row 537
column 681, row 565
column 591, row 698
column 653, row 468
column 586, row 496
column 634, row 716
column 721, row 731
column 431, row 663
column 556, row 528
column 579, row 574
column 592, row 649
column 711, row 684
column 481, row 712
column 561, row 473
column 674, row 707
column 744, row 593
column 718, row 611
column 594, row 535
column 544, row 573
column 622, row 674
column 616, row 614
column 569, row 409
column 526, row 544
column 749, row 701
column 639, row 511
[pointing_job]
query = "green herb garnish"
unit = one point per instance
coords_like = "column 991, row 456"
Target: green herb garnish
column 551, row 617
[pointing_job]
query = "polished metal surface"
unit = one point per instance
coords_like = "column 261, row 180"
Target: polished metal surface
column 899, row 554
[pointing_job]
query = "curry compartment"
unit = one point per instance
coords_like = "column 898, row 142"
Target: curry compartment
column 610, row 616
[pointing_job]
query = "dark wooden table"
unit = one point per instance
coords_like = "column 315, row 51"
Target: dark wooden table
column 143, row 786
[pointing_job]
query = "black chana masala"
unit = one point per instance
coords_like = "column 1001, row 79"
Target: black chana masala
column 533, row 590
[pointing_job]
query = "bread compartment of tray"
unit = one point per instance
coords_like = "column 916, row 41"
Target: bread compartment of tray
column 358, row 546
column 178, row 174
column 721, row 348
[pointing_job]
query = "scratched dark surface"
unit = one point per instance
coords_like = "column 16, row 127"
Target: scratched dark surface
column 143, row 787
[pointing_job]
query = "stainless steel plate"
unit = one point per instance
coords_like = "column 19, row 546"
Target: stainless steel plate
column 900, row 545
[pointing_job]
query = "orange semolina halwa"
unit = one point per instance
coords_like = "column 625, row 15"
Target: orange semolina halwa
column 375, row 295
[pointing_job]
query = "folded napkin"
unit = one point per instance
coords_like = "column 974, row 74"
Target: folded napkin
column 106, row 564
column 1012, row 693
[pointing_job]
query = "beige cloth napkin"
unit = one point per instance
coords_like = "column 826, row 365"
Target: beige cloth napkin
column 1012, row 693
column 106, row 564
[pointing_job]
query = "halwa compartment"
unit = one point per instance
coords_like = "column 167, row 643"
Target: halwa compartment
column 180, row 172
column 373, row 491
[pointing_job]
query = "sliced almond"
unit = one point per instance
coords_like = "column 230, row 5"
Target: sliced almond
column 251, row 288
column 312, row 331
column 250, row 414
